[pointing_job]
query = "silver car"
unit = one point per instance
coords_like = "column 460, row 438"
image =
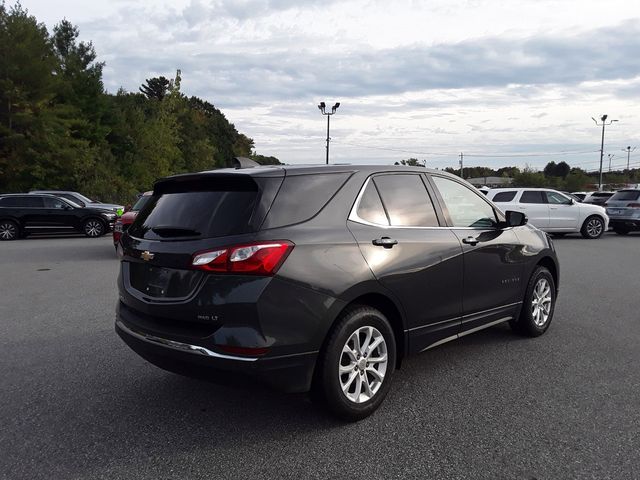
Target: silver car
column 623, row 209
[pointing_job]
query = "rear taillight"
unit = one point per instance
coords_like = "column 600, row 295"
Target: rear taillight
column 262, row 258
column 633, row 205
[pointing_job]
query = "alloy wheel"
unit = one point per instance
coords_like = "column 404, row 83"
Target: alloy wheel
column 93, row 228
column 363, row 364
column 594, row 227
column 541, row 302
column 8, row 231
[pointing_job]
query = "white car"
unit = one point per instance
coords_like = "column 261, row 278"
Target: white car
column 552, row 211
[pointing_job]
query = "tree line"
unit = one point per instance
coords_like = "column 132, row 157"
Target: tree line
column 60, row 128
column 559, row 176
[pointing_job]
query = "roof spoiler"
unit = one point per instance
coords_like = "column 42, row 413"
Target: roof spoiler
column 243, row 162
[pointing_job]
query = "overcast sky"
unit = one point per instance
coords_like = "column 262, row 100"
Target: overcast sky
column 425, row 79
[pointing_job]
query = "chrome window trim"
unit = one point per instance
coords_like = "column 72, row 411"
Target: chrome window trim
column 354, row 217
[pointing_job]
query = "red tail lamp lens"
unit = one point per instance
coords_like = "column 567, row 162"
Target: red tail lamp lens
column 263, row 258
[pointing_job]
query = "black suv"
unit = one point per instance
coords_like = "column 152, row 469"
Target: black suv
column 323, row 278
column 21, row 214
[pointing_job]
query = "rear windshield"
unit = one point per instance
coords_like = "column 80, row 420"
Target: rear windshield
column 625, row 196
column 197, row 209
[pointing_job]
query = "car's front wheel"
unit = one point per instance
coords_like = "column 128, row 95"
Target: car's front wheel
column 538, row 306
column 593, row 227
column 93, row 228
column 8, row 230
column 357, row 364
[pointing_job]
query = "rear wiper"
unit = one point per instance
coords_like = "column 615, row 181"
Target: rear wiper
column 170, row 231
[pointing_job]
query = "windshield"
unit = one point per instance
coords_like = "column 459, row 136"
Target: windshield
column 83, row 198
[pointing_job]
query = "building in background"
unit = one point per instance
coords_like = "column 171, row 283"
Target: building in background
column 493, row 182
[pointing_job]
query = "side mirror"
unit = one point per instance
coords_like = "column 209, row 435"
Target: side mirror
column 515, row 219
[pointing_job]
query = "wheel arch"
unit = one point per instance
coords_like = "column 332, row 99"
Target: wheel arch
column 389, row 308
column 552, row 266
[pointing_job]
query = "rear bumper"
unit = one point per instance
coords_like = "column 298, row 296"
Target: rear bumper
column 628, row 223
column 289, row 373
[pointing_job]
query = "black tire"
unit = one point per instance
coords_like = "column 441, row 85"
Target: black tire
column 527, row 324
column 9, row 230
column 327, row 386
column 93, row 227
column 621, row 231
column 593, row 227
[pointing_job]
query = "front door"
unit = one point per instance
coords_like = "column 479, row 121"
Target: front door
column 563, row 213
column 493, row 256
column 400, row 236
column 534, row 204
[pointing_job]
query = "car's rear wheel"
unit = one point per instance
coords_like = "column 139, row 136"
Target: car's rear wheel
column 356, row 366
column 593, row 227
column 538, row 306
column 93, row 227
column 9, row 230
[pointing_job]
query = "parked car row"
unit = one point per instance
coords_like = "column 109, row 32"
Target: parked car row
column 34, row 212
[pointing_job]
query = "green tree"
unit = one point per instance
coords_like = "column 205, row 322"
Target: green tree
column 155, row 88
column 411, row 162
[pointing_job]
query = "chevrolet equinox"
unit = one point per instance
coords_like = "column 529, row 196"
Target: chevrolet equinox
column 323, row 278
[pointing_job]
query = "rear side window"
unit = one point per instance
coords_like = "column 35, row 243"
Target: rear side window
column 370, row 208
column 302, row 197
column 625, row 196
column 198, row 209
column 406, row 200
column 30, row 201
column 504, row 196
column 532, row 196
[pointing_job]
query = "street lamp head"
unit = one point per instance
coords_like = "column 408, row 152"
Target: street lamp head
column 321, row 106
column 335, row 107
column 604, row 117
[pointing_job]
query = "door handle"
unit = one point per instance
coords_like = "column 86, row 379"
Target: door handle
column 470, row 240
column 385, row 242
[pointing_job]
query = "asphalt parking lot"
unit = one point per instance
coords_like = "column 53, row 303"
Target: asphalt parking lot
column 76, row 403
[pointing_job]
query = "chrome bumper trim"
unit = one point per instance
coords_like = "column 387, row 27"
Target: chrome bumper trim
column 182, row 347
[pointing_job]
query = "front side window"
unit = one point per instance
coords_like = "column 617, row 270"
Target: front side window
column 557, row 198
column 532, row 196
column 406, row 200
column 466, row 208
column 53, row 203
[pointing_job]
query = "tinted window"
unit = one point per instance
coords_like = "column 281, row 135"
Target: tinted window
column 370, row 207
column 73, row 198
column 625, row 196
column 602, row 194
column 29, row 201
column 202, row 209
column 504, row 196
column 302, row 197
column 466, row 208
column 53, row 203
column 142, row 201
column 406, row 200
column 532, row 196
column 557, row 198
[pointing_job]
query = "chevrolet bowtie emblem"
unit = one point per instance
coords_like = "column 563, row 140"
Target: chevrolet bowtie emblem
column 147, row 255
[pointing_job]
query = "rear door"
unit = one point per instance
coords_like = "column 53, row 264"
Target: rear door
column 493, row 255
column 402, row 238
column 534, row 204
column 563, row 213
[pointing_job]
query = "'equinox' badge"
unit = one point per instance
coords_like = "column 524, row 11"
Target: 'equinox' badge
column 147, row 255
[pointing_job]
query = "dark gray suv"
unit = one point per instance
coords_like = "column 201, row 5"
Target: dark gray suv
column 324, row 278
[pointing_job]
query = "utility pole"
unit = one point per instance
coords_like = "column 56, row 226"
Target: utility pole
column 628, row 150
column 604, row 123
column 322, row 106
column 461, row 165
column 610, row 155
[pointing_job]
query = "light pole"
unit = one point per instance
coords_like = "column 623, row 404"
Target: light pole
column 604, row 123
column 321, row 107
column 628, row 150
column 610, row 155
